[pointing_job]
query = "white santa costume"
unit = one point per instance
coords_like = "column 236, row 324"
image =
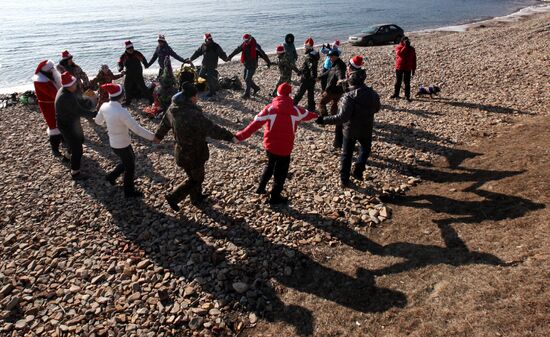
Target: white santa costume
column 46, row 88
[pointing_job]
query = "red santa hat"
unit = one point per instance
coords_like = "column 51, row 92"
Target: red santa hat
column 207, row 36
column 280, row 49
column 246, row 36
column 356, row 61
column 65, row 55
column 161, row 38
column 113, row 89
column 128, row 44
column 336, row 44
column 45, row 65
column 308, row 44
column 67, row 80
column 284, row 89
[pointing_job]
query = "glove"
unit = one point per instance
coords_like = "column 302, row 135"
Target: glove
column 187, row 61
column 320, row 120
column 235, row 140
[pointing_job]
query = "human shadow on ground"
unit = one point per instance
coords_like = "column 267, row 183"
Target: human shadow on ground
column 185, row 247
column 486, row 107
column 419, row 112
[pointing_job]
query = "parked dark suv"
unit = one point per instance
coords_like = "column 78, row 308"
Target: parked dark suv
column 378, row 34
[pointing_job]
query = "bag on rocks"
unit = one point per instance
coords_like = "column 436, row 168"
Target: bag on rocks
column 28, row 98
column 232, row 83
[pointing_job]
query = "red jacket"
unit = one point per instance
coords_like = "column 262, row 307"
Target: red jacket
column 405, row 58
column 282, row 119
column 46, row 90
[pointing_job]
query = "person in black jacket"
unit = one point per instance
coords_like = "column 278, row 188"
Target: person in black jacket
column 335, row 77
column 250, row 52
column 309, row 75
column 356, row 114
column 68, row 112
column 210, row 52
column 162, row 52
column 134, row 84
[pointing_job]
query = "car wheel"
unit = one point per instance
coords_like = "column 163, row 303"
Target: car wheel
column 370, row 43
column 397, row 39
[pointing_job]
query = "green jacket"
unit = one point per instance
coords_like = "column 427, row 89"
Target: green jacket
column 286, row 66
column 190, row 127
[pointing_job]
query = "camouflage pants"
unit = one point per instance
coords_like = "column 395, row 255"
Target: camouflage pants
column 283, row 78
column 192, row 186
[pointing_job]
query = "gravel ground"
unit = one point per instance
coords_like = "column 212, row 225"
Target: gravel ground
column 79, row 259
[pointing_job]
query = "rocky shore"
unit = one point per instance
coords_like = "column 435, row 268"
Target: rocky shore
column 77, row 259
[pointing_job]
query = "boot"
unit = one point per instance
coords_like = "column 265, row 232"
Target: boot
column 357, row 173
column 172, row 203
column 277, row 199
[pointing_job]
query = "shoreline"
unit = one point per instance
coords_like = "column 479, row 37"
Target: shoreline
column 520, row 14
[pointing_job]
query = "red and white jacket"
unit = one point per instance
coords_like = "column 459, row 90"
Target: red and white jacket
column 282, row 119
column 46, row 90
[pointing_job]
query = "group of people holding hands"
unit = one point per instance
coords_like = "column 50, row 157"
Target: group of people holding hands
column 353, row 105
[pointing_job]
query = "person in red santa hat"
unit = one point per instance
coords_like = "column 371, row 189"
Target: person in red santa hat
column 134, row 84
column 68, row 112
column 281, row 117
column 67, row 64
column 119, row 121
column 46, row 84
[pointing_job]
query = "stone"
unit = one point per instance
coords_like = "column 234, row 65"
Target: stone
column 20, row 324
column 196, row 322
column 252, row 318
column 240, row 287
column 6, row 290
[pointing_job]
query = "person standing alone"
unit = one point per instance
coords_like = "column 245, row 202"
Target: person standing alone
column 405, row 67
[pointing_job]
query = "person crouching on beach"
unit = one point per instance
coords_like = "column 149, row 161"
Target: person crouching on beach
column 334, row 90
column 190, row 127
column 309, row 75
column 119, row 121
column 104, row 76
column 405, row 67
column 285, row 68
column 282, row 118
column 250, row 52
column 46, row 84
column 134, row 84
column 356, row 114
column 68, row 112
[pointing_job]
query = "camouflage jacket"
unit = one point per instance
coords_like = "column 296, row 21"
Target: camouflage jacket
column 76, row 71
column 191, row 128
column 286, row 67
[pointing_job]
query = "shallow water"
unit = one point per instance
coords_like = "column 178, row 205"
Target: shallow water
column 94, row 31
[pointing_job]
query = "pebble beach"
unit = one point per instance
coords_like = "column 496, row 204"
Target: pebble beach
column 78, row 259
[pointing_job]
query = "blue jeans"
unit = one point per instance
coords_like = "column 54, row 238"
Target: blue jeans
column 249, row 71
column 347, row 156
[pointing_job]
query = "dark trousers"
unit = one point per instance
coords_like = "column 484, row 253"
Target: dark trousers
column 76, row 151
column 211, row 76
column 135, row 88
column 401, row 75
column 277, row 167
column 192, row 186
column 327, row 98
column 347, row 156
column 55, row 142
column 127, row 166
column 309, row 87
column 249, row 71
column 324, row 81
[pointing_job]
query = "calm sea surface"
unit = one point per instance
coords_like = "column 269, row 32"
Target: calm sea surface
column 94, row 31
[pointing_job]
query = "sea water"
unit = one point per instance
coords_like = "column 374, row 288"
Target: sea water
column 95, row 31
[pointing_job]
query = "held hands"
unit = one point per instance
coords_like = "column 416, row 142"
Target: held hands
column 235, row 140
column 320, row 120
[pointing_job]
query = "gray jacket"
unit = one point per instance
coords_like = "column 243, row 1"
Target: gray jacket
column 210, row 55
column 68, row 112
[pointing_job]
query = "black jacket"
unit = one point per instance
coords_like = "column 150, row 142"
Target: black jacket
column 132, row 62
column 335, row 74
column 356, row 112
column 309, row 67
column 210, row 55
column 68, row 113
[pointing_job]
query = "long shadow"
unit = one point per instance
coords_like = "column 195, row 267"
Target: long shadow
column 419, row 112
column 486, row 107
column 183, row 246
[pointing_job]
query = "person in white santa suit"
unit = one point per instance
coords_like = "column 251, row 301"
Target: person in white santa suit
column 46, row 84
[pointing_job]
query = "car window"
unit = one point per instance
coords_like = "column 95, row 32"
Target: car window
column 393, row 28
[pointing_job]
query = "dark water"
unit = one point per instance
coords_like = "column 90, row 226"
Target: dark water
column 94, row 31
